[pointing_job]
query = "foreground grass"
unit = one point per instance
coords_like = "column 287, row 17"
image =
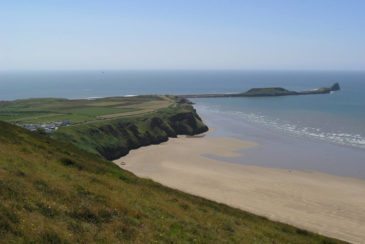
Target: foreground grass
column 51, row 192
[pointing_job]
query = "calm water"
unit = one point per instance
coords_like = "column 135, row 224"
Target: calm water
column 317, row 121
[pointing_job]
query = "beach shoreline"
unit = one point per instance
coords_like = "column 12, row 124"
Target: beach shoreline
column 323, row 203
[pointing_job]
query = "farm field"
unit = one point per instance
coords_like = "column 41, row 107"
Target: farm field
column 47, row 110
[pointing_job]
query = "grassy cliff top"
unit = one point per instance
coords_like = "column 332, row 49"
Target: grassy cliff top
column 268, row 91
column 53, row 192
column 46, row 110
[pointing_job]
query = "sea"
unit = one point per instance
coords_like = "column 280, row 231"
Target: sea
column 323, row 133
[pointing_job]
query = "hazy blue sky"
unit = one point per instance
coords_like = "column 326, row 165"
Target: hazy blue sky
column 186, row 34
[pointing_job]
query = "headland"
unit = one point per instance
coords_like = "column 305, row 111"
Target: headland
column 268, row 92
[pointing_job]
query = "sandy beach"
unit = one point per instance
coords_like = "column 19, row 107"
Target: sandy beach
column 323, row 203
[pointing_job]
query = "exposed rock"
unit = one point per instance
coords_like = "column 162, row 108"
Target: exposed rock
column 336, row 87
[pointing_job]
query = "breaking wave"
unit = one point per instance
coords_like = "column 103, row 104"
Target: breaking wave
column 343, row 138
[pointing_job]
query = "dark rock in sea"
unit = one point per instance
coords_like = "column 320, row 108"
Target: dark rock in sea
column 336, row 87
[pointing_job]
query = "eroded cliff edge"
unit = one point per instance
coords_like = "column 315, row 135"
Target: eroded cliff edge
column 113, row 139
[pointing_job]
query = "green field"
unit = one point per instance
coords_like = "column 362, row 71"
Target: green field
column 46, row 110
column 53, row 192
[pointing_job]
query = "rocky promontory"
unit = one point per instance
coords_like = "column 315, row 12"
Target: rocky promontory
column 268, row 92
column 115, row 138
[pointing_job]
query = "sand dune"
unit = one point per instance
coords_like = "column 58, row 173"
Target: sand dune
column 330, row 205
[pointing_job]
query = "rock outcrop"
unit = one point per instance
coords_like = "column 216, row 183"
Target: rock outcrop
column 115, row 138
column 335, row 87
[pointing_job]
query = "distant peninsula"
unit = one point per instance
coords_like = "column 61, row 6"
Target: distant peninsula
column 268, row 92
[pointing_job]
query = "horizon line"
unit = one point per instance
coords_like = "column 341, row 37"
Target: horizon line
column 182, row 69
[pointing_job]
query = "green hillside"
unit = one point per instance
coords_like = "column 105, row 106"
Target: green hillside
column 53, row 192
column 110, row 126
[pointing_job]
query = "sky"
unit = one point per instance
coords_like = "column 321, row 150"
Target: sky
column 182, row 34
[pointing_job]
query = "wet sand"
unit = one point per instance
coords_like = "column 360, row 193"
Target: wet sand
column 323, row 203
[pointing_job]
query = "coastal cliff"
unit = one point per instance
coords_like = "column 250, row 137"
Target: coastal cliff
column 115, row 138
column 109, row 127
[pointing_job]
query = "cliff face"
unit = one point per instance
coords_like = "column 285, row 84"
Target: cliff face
column 115, row 138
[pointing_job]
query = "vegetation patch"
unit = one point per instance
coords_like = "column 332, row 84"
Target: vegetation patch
column 70, row 163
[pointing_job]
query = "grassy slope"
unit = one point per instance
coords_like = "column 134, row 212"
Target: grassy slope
column 54, row 192
column 270, row 91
